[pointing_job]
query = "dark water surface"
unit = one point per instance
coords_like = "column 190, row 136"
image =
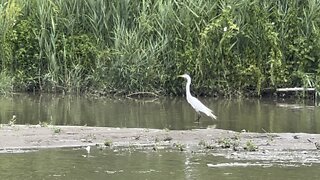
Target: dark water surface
column 143, row 164
column 172, row 113
column 255, row 115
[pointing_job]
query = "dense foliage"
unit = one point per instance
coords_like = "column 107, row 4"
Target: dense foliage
column 228, row 47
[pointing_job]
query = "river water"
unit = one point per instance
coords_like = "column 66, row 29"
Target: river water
column 143, row 164
column 255, row 115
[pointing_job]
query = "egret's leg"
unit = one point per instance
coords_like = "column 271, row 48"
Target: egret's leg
column 198, row 118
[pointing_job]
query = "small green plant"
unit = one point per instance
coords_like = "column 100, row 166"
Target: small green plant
column 57, row 130
column 166, row 129
column 43, row 124
column 181, row 147
column 108, row 143
column 13, row 120
column 270, row 136
column 230, row 142
column 250, row 146
column 205, row 144
column 225, row 142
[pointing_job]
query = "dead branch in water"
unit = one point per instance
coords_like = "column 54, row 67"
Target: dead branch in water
column 144, row 94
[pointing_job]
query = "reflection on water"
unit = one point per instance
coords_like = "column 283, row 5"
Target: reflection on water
column 253, row 115
column 142, row 164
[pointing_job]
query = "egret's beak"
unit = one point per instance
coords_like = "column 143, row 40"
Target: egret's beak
column 180, row 76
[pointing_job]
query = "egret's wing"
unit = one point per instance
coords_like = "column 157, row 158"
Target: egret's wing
column 199, row 107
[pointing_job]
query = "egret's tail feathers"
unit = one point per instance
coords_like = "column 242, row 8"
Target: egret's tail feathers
column 212, row 116
column 209, row 113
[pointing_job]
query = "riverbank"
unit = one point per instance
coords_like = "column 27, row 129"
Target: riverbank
column 271, row 147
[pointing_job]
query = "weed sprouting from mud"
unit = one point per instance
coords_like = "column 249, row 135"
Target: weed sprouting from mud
column 166, row 129
column 250, row 146
column 57, row 130
column 225, row 142
column 270, row 136
column 179, row 146
column 108, row 143
column 230, row 142
column 205, row 144
column 13, row 120
column 43, row 124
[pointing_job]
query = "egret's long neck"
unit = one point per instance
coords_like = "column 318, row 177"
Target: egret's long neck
column 188, row 94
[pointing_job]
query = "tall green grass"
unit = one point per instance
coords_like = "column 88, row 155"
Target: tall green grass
column 229, row 47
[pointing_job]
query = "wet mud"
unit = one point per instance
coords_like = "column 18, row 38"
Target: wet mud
column 268, row 147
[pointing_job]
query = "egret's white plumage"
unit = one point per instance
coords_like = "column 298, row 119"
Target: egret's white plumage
column 194, row 102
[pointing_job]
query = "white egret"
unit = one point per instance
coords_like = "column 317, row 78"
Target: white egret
column 194, row 102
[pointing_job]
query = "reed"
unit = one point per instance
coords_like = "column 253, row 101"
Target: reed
column 228, row 47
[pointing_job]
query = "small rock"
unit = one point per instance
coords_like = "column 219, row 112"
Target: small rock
column 234, row 154
column 304, row 152
column 167, row 138
column 154, row 148
column 236, row 148
column 136, row 137
column 317, row 144
column 296, row 137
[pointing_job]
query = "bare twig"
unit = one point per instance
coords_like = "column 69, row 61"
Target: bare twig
column 142, row 93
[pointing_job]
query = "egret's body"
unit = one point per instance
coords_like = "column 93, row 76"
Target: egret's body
column 194, row 102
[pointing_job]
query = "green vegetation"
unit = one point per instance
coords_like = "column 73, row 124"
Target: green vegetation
column 12, row 122
column 56, row 130
column 250, row 146
column 179, row 146
column 228, row 47
column 43, row 124
column 108, row 143
column 225, row 142
column 230, row 142
column 206, row 145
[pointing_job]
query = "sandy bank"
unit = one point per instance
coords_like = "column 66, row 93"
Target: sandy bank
column 277, row 147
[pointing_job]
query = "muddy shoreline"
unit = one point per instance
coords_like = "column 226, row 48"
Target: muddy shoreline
column 270, row 147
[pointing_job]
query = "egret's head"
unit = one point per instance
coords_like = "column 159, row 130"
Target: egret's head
column 186, row 76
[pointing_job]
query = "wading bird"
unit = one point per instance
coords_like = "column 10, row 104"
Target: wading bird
column 194, row 102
